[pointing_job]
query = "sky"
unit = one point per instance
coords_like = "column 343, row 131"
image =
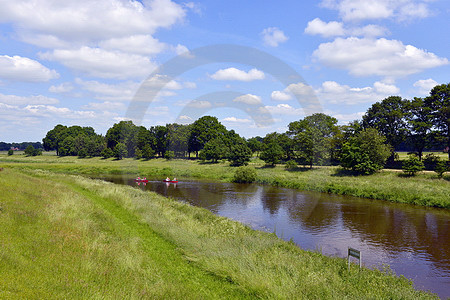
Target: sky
column 255, row 65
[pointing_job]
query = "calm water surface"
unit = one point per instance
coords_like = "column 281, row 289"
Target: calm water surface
column 414, row 241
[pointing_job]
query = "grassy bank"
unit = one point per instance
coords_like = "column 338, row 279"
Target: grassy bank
column 425, row 189
column 65, row 236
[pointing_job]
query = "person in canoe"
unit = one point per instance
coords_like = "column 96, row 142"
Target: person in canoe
column 167, row 179
column 174, row 179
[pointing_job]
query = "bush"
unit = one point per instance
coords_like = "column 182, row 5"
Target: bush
column 107, row 153
column 10, row 152
column 290, row 165
column 148, row 152
column 169, row 155
column 30, row 151
column 441, row 168
column 412, row 165
column 138, row 153
column 82, row 153
column 244, row 175
column 120, row 151
column 430, row 161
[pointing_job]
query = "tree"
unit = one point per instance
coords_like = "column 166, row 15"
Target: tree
column 255, row 144
column 124, row 132
column 272, row 153
column 107, row 153
column 31, row 151
column 120, row 151
column 178, row 139
column 244, row 175
column 313, row 138
column 441, row 168
column 439, row 103
column 420, row 122
column 203, row 130
column 169, row 155
column 412, row 165
column 366, row 152
column 240, row 153
column 10, row 152
column 53, row 138
column 214, row 150
column 147, row 152
column 160, row 134
column 388, row 117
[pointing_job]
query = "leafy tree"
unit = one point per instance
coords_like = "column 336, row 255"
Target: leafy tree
column 53, row 138
column 441, row 168
column 82, row 153
column 67, row 147
column 240, row 153
column 290, row 165
column 388, row 117
column 272, row 153
column 255, row 144
column 244, row 175
column 439, row 103
column 203, row 130
column 160, row 134
column 313, row 138
column 124, row 132
column 420, row 123
column 169, row 155
column 138, row 153
column 366, row 152
column 214, row 150
column 10, row 152
column 178, row 139
column 412, row 165
column 107, row 153
column 31, row 151
column 148, row 152
column 120, row 151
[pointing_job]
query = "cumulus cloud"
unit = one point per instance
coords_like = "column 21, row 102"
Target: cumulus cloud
column 366, row 57
column 284, row 109
column 109, row 92
column 425, row 85
column 84, row 21
column 17, row 68
column 199, row 104
column 239, row 75
column 358, row 10
column 248, row 99
column 138, row 44
column 101, row 63
column 235, row 120
column 319, row 27
column 273, row 36
column 61, row 88
column 49, row 111
column 280, row 96
column 20, row 100
column 105, row 106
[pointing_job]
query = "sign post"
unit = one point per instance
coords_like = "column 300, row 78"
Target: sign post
column 356, row 254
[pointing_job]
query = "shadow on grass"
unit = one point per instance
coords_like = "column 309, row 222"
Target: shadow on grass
column 347, row 173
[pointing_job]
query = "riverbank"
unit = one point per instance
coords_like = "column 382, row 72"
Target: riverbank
column 83, row 238
column 424, row 189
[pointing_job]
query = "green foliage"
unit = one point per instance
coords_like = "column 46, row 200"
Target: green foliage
column 365, row 153
column 214, row 150
column 10, row 152
column 107, row 153
column 120, row 151
column 272, row 153
column 244, row 174
column 441, row 168
column 82, row 153
column 138, row 153
column 30, row 151
column 169, row 155
column 412, row 165
column 290, row 165
column 147, row 152
column 240, row 153
column 203, row 130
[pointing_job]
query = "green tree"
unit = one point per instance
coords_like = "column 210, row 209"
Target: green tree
column 107, row 153
column 214, row 150
column 178, row 139
column 161, row 138
column 10, row 152
column 244, row 175
column 169, row 155
column 366, row 152
column 120, row 151
column 203, row 130
column 272, row 153
column 124, row 132
column 388, row 117
column 312, row 138
column 412, row 165
column 53, row 138
column 439, row 103
column 441, row 168
column 240, row 153
column 147, row 152
column 255, row 144
column 420, row 124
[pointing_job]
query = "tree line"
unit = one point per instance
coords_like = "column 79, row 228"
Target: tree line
column 363, row 146
column 19, row 146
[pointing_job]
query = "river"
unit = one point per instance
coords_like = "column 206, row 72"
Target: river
column 414, row 241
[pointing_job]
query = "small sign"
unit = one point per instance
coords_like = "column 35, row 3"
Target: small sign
column 354, row 253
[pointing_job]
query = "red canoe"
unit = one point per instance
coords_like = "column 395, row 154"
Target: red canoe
column 141, row 180
column 170, row 181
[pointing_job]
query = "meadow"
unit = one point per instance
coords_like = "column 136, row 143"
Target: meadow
column 67, row 236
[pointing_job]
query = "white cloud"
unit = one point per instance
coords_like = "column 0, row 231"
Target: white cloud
column 284, row 109
column 183, row 51
column 236, row 120
column 335, row 93
column 17, row 68
column 280, row 96
column 346, row 118
column 101, row 63
column 366, row 57
column 425, row 85
column 370, row 30
column 357, row 10
column 109, row 92
column 248, row 99
column 273, row 36
column 19, row 100
column 61, row 88
column 62, row 112
column 105, row 106
column 199, row 104
column 319, row 27
column 301, row 90
column 138, row 44
column 73, row 22
column 236, row 74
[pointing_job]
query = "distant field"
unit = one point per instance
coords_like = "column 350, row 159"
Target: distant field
column 442, row 155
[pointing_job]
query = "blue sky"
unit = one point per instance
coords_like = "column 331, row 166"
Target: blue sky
column 82, row 62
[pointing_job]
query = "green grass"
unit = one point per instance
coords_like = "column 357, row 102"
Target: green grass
column 64, row 236
column 425, row 189
column 404, row 155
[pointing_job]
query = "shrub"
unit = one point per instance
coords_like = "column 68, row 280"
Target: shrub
column 290, row 165
column 430, row 161
column 10, row 152
column 138, row 153
column 148, row 152
column 412, row 165
column 244, row 174
column 169, row 155
column 82, row 153
column 120, row 151
column 441, row 168
column 107, row 153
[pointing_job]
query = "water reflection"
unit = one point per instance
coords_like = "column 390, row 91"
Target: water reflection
column 413, row 240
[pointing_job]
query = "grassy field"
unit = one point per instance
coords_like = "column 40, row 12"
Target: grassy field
column 65, row 236
column 424, row 189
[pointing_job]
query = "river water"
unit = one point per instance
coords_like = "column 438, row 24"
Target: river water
column 414, row 241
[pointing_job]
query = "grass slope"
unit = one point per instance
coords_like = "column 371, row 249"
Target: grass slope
column 65, row 236
column 425, row 189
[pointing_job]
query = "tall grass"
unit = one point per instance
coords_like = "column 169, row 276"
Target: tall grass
column 71, row 237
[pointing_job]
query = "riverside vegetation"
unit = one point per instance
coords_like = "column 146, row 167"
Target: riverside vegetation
column 84, row 238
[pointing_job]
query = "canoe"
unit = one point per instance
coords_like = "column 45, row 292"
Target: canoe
column 141, row 180
column 170, row 181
